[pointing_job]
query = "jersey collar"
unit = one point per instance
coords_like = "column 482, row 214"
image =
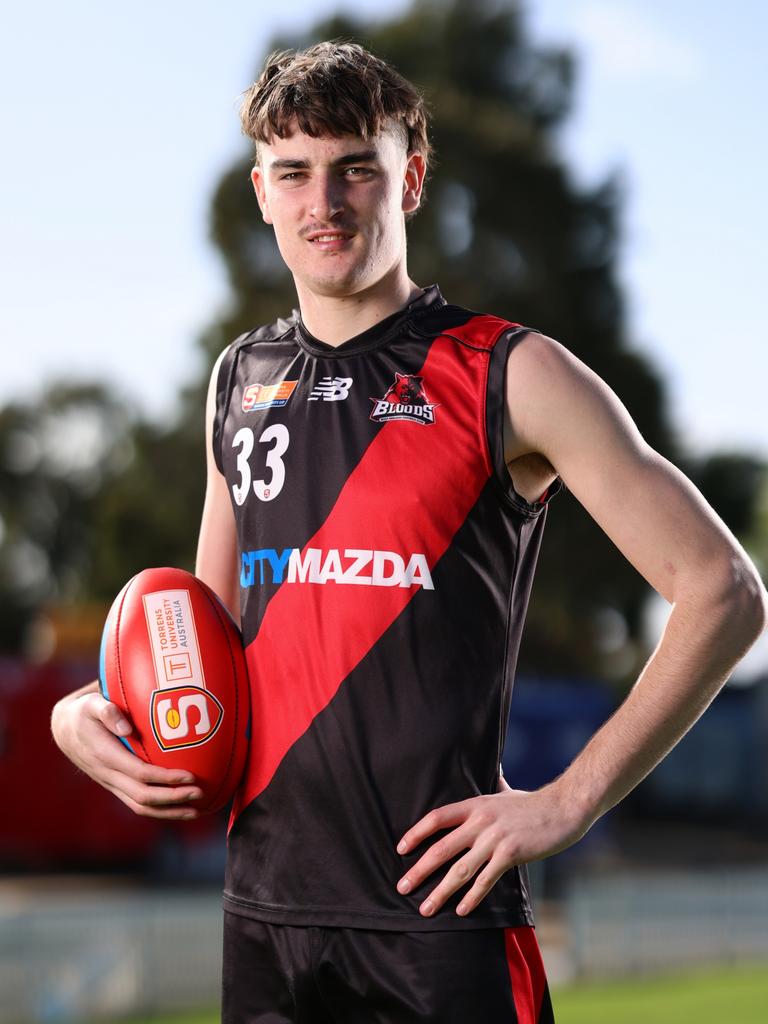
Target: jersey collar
column 376, row 335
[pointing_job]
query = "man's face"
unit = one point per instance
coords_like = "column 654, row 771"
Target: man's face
column 337, row 206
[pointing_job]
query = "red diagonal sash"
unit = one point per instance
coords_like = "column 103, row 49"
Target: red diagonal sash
column 410, row 492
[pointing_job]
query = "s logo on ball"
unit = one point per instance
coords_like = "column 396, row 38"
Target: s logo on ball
column 184, row 716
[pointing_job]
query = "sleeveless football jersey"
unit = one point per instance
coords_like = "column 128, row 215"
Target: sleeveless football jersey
column 386, row 562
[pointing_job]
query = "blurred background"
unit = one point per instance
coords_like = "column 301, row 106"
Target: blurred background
column 599, row 174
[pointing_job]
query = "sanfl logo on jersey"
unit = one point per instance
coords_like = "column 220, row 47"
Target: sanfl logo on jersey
column 406, row 399
column 331, row 389
column 262, row 396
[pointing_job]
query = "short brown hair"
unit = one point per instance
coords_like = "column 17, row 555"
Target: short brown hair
column 334, row 88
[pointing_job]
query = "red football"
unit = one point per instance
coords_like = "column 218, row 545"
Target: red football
column 172, row 658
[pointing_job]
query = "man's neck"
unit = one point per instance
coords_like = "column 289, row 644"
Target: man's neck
column 335, row 319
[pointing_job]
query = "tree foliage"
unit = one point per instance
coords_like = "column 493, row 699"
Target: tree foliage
column 504, row 229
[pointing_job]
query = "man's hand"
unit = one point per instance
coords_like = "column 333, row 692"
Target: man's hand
column 499, row 830
column 86, row 728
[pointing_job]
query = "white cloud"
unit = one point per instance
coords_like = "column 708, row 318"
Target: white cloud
column 623, row 42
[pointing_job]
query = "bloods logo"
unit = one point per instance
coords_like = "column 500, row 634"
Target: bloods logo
column 406, row 399
column 371, row 568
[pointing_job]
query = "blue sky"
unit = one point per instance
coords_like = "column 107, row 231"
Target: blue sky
column 118, row 120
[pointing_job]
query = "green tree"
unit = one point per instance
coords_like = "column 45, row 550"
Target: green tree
column 59, row 455
column 90, row 494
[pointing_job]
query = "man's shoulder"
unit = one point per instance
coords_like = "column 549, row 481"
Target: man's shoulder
column 273, row 331
column 542, row 371
column 473, row 327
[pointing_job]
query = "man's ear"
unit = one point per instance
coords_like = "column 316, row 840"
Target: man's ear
column 257, row 177
column 413, row 181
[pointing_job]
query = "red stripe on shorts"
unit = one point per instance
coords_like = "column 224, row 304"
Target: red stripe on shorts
column 526, row 972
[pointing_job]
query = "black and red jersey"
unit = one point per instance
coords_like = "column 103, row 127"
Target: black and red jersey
column 386, row 562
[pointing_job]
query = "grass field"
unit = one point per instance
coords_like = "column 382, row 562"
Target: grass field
column 717, row 996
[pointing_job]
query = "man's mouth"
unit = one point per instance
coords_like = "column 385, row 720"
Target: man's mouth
column 330, row 240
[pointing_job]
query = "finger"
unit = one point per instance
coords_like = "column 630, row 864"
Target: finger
column 118, row 759
column 152, row 796
column 455, row 879
column 456, row 876
column 180, row 813
column 438, row 853
column 484, row 882
column 439, row 817
column 110, row 715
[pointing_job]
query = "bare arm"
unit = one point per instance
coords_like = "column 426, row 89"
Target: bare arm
column 86, row 727
column 662, row 524
column 216, row 562
column 564, row 412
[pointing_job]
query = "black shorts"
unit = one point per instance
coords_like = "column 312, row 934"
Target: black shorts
column 278, row 973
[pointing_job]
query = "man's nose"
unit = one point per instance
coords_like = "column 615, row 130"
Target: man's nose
column 327, row 197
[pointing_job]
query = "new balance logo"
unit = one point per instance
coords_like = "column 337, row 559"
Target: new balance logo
column 331, row 389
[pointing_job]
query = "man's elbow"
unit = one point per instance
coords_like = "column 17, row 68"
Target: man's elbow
column 758, row 609
column 742, row 596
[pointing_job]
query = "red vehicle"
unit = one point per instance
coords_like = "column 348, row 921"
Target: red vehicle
column 55, row 817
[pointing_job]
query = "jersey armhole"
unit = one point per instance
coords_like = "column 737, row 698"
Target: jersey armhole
column 494, row 425
column 224, row 384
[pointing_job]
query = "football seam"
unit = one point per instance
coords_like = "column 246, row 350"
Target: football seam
column 118, row 618
column 235, row 675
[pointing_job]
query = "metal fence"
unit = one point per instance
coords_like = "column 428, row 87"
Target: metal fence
column 84, row 958
column 86, row 955
column 659, row 920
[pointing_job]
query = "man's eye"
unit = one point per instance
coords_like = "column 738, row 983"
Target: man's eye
column 357, row 173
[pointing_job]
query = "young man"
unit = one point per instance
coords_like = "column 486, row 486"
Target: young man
column 379, row 468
